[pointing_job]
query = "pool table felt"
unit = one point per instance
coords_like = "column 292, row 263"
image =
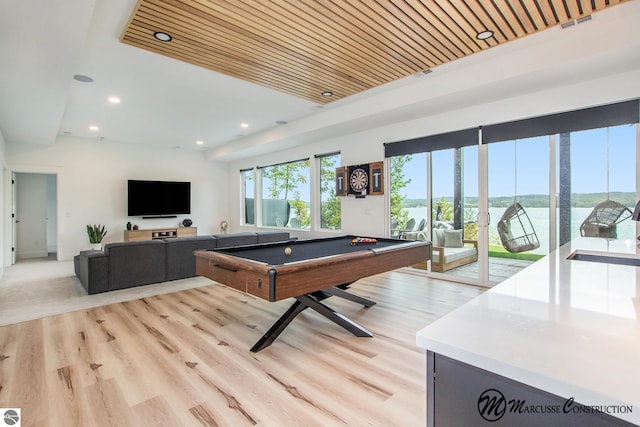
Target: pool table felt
column 274, row 254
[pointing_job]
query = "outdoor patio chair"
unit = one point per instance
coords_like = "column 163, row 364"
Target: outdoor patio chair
column 603, row 220
column 516, row 231
column 410, row 224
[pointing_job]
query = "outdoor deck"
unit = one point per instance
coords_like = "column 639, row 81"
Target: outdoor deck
column 499, row 269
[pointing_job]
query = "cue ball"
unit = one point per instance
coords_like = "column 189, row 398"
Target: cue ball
column 287, row 251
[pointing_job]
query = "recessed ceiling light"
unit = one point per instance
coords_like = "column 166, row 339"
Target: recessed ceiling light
column 94, row 128
column 199, row 142
column 162, row 36
column 327, row 93
column 82, row 78
column 114, row 100
column 244, row 125
column 483, row 35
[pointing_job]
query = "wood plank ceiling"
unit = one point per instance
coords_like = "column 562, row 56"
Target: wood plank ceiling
column 307, row 47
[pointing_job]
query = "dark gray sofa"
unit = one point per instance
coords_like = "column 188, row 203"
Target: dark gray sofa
column 237, row 239
column 136, row 263
column 181, row 263
column 92, row 268
column 127, row 264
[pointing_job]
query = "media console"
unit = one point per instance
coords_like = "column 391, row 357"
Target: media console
column 159, row 233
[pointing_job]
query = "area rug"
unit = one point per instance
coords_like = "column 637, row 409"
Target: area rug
column 38, row 288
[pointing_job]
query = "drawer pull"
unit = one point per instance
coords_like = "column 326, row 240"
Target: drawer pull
column 224, row 267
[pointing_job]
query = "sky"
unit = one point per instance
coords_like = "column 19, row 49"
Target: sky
column 594, row 154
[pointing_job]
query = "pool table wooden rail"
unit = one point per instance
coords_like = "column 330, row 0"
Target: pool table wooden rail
column 278, row 282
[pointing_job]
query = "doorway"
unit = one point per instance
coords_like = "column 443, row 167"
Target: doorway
column 34, row 214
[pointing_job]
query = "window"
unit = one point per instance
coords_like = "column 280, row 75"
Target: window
column 286, row 195
column 248, row 183
column 598, row 169
column 408, row 188
column 330, row 208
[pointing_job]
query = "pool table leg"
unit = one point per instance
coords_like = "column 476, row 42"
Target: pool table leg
column 277, row 328
column 339, row 292
column 334, row 316
column 312, row 301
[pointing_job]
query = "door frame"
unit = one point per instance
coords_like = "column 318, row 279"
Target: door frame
column 483, row 221
column 9, row 221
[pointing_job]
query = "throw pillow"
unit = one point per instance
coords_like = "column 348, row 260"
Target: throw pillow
column 453, row 239
column 438, row 237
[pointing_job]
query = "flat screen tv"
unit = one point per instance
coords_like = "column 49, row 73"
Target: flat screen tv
column 158, row 198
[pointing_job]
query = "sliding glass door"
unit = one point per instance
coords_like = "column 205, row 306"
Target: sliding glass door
column 498, row 198
column 408, row 205
column 454, row 212
column 597, row 183
column 434, row 196
column 518, row 202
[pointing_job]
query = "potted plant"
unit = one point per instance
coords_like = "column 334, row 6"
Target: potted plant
column 96, row 233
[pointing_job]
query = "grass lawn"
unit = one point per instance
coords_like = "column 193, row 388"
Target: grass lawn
column 500, row 252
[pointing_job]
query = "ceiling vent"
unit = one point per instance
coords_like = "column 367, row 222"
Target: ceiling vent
column 576, row 21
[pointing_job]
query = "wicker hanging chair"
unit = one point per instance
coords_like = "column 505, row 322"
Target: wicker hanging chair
column 603, row 220
column 516, row 231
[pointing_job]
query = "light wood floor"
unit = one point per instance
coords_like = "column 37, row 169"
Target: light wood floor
column 183, row 359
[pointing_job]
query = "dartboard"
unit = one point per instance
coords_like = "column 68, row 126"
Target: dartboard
column 358, row 180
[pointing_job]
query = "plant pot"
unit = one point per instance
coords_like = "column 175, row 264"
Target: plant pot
column 96, row 246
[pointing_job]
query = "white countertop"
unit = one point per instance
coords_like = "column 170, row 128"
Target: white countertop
column 571, row 328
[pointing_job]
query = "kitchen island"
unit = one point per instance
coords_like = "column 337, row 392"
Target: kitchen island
column 556, row 344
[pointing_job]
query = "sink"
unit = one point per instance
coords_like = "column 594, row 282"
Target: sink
column 605, row 257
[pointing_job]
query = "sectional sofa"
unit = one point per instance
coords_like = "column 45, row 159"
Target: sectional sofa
column 127, row 264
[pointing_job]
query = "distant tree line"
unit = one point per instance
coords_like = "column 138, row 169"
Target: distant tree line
column 578, row 200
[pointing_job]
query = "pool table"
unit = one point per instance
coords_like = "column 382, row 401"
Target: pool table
column 309, row 271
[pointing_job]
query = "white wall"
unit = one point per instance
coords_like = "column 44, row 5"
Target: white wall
column 92, row 178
